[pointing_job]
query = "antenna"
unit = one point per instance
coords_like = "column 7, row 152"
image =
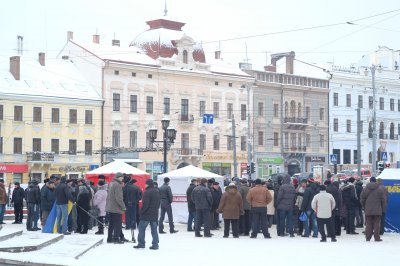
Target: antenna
column 165, row 9
column 247, row 58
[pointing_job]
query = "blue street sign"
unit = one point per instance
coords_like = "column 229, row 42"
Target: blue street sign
column 333, row 158
column 93, row 166
column 208, row 118
column 384, row 156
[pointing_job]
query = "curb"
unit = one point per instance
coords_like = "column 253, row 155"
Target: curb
column 11, row 235
column 32, row 248
column 98, row 243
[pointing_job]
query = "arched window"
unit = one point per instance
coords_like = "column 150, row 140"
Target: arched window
column 370, row 130
column 299, row 110
column 286, row 109
column 292, row 109
column 370, row 157
column 391, row 130
column 381, row 130
column 185, row 57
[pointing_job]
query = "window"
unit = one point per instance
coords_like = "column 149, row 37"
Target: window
column 381, row 130
column 115, row 138
column 1, row 144
column 184, row 110
column 88, row 147
column 18, row 113
column 308, row 140
column 348, row 125
column 203, row 145
column 299, row 110
column 133, row 74
column 286, row 140
column 229, row 143
column 185, row 57
column 149, row 144
column 276, row 139
column 370, row 102
column 391, row 104
column 216, row 109
column 72, row 146
column 37, row 114
column 55, row 146
column 133, row 104
column 230, row 84
column 133, row 139
column 321, row 141
column 299, row 140
column 150, row 76
column 260, row 109
column 55, row 115
column 293, row 141
column 398, row 129
column 243, row 112
column 381, row 103
column 88, row 117
column 18, row 145
column 391, row 132
column 230, row 110
column 243, row 143
column 260, row 138
column 348, row 100
column 335, row 99
column 286, row 109
column 337, row 153
column 360, row 101
column 361, row 126
column 216, row 83
column 116, row 72
column 185, row 143
column 36, row 144
column 355, row 157
column 398, row 105
column 216, row 142
column 202, row 108
column 321, row 114
column 276, row 110
column 346, row 156
column 308, row 113
column 292, row 109
column 73, row 116
column 116, row 102
column 1, row 112
column 370, row 130
column 149, row 104
column 335, row 125
column 166, row 105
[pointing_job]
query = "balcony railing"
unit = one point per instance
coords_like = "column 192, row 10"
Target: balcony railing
column 184, row 119
column 383, row 136
column 40, row 156
column 296, row 148
column 188, row 152
column 297, row 120
column 394, row 136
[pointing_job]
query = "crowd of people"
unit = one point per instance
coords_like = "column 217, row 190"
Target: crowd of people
column 304, row 208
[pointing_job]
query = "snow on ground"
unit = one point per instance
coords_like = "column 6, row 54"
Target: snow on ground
column 184, row 249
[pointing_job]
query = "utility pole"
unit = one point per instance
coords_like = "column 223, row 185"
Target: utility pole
column 249, row 159
column 359, row 142
column 373, row 68
column 235, row 163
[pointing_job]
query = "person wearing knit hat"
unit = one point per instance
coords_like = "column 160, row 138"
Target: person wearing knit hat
column 166, row 207
column 149, row 215
column 350, row 200
column 17, row 199
column 202, row 199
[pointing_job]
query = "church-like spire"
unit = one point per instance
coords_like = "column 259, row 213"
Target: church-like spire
column 165, row 9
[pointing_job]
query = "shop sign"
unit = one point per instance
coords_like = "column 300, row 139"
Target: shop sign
column 270, row 160
column 70, row 168
column 13, row 168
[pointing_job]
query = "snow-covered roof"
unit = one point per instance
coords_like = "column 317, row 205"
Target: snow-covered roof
column 117, row 166
column 221, row 67
column 161, row 35
column 57, row 78
column 116, row 53
column 190, row 171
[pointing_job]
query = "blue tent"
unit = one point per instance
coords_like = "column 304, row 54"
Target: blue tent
column 391, row 180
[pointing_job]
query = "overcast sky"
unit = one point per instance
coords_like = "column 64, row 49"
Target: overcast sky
column 44, row 24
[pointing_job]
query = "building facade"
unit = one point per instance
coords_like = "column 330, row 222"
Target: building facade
column 290, row 120
column 50, row 120
column 351, row 88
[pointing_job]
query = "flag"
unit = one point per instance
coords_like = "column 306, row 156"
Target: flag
column 51, row 222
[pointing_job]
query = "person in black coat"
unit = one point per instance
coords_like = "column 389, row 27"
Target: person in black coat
column 349, row 196
column 277, row 185
column 166, row 201
column 359, row 211
column 333, row 189
column 32, row 197
column 149, row 215
column 17, row 199
column 47, row 200
column 83, row 206
column 191, row 206
column 216, row 194
column 132, row 195
column 309, row 194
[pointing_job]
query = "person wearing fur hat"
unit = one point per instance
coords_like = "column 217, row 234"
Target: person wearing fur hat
column 201, row 196
column 231, row 207
column 166, row 201
column 259, row 198
column 149, row 215
column 83, row 204
column 32, row 201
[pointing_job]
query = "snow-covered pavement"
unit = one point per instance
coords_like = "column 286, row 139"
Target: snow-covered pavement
column 184, row 249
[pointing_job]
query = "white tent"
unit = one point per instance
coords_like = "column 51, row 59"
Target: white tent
column 179, row 182
column 117, row 166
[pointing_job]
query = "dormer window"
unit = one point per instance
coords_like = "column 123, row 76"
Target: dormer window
column 185, row 57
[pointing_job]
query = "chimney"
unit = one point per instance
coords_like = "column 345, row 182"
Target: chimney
column 15, row 67
column 217, row 54
column 70, row 35
column 270, row 68
column 42, row 59
column 290, row 62
column 96, row 38
column 115, row 43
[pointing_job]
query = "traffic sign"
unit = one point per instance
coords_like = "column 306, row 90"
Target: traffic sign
column 333, row 158
column 208, row 118
column 384, row 156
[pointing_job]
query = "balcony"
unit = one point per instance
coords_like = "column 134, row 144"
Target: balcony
column 186, row 119
column 38, row 156
column 297, row 123
column 184, row 153
column 295, row 149
column 394, row 137
column 383, row 136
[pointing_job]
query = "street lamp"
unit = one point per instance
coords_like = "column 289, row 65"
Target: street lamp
column 169, row 136
column 373, row 68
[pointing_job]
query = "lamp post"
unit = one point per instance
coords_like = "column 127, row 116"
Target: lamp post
column 169, row 135
column 373, row 68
